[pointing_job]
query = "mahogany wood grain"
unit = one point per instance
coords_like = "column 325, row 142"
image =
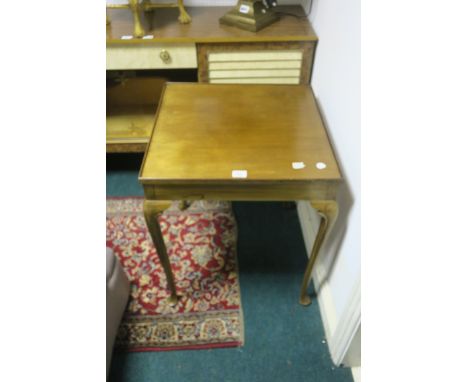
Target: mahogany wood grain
column 203, row 132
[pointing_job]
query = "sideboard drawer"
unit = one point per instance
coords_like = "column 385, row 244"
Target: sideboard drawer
column 161, row 56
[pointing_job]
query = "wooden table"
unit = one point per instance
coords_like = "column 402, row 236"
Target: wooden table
column 239, row 142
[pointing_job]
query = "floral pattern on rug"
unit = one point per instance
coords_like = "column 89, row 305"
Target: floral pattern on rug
column 201, row 244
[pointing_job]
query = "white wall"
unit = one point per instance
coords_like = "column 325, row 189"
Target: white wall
column 336, row 83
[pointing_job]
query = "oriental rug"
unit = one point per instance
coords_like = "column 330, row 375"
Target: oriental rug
column 201, row 244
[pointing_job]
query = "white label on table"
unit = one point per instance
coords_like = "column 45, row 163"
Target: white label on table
column 126, row 37
column 148, row 37
column 320, row 165
column 239, row 174
column 298, row 165
column 244, row 8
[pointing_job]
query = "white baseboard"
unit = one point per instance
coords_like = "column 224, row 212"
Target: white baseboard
column 345, row 346
column 356, row 371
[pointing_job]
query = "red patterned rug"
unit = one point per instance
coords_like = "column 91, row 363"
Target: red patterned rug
column 201, row 244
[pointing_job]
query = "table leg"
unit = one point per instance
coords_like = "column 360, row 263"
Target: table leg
column 151, row 209
column 328, row 211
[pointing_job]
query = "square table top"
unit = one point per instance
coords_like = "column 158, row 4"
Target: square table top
column 204, row 132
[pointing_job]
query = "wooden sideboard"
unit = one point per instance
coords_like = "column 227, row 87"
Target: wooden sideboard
column 281, row 53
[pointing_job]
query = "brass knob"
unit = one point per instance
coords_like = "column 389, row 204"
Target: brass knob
column 165, row 56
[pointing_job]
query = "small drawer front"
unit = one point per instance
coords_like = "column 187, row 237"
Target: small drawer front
column 267, row 80
column 262, row 55
column 255, row 67
column 161, row 56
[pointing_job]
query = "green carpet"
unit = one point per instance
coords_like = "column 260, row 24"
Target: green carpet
column 284, row 341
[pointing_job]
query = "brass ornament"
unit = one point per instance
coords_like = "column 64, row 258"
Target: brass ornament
column 251, row 15
column 138, row 7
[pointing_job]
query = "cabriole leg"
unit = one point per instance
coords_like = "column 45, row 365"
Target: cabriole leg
column 328, row 211
column 151, row 209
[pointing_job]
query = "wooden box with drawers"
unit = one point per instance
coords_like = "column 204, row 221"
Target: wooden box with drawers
column 281, row 53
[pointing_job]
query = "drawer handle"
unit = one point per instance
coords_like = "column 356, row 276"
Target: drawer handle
column 165, row 56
